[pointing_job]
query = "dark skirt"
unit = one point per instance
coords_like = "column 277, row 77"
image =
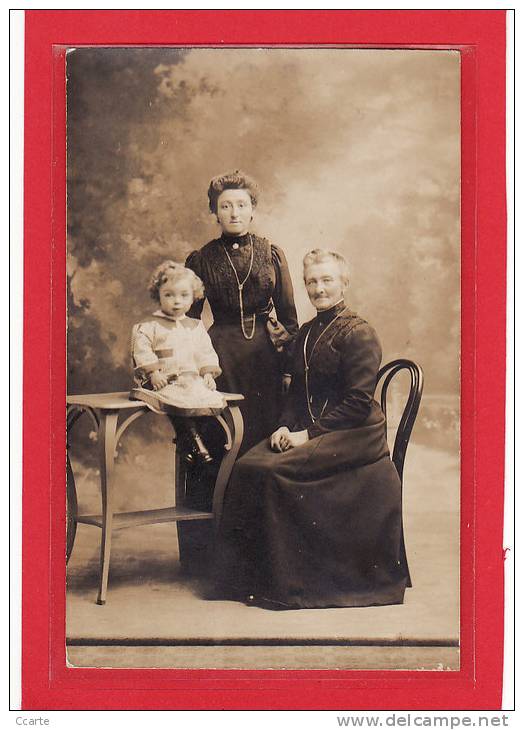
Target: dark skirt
column 250, row 367
column 317, row 526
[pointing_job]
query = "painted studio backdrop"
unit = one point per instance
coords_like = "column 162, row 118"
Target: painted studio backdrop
column 353, row 150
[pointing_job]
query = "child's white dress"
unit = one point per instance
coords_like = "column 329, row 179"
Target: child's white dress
column 183, row 350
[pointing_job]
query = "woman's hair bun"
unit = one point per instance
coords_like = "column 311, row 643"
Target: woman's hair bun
column 236, row 180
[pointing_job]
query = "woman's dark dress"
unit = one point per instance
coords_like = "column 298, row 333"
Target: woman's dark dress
column 319, row 525
column 251, row 367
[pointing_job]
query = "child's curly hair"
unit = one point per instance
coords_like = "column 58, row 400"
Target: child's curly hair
column 171, row 270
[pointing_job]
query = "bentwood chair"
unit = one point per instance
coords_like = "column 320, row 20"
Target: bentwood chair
column 407, row 420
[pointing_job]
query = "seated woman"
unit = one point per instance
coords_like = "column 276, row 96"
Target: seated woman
column 312, row 516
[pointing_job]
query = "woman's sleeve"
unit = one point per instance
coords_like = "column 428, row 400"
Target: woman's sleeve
column 194, row 262
column 284, row 304
column 289, row 416
column 361, row 354
column 206, row 356
column 283, row 293
column 144, row 359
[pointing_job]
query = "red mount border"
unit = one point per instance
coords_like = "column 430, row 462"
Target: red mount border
column 47, row 683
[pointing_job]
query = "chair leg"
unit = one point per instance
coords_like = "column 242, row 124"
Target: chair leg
column 404, row 559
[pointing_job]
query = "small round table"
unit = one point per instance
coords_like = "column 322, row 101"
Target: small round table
column 111, row 414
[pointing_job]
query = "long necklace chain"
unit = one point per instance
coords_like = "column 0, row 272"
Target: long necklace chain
column 240, row 285
column 306, row 367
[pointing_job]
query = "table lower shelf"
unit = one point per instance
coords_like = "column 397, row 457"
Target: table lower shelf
column 122, row 520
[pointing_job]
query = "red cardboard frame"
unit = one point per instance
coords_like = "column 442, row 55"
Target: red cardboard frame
column 47, row 683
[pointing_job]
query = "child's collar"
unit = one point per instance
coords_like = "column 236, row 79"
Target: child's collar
column 160, row 313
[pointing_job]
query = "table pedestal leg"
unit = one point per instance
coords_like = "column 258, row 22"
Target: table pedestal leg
column 107, row 445
column 180, row 472
column 72, row 509
column 73, row 414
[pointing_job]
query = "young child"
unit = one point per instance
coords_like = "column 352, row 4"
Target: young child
column 173, row 359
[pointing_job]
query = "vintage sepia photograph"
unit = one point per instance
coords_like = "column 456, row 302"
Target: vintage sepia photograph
column 263, row 358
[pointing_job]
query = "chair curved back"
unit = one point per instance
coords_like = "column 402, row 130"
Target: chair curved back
column 405, row 426
column 411, row 407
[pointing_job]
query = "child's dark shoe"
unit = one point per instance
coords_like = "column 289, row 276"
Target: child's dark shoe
column 190, row 457
column 199, row 447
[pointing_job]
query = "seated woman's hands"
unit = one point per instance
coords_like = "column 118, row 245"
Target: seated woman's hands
column 209, row 380
column 158, row 380
column 283, row 439
column 279, row 439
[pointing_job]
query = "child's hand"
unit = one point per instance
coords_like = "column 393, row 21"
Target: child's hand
column 158, row 380
column 210, row 381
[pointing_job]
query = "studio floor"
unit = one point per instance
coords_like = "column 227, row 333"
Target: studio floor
column 157, row 617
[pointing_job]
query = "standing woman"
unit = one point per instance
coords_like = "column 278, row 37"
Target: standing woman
column 245, row 276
